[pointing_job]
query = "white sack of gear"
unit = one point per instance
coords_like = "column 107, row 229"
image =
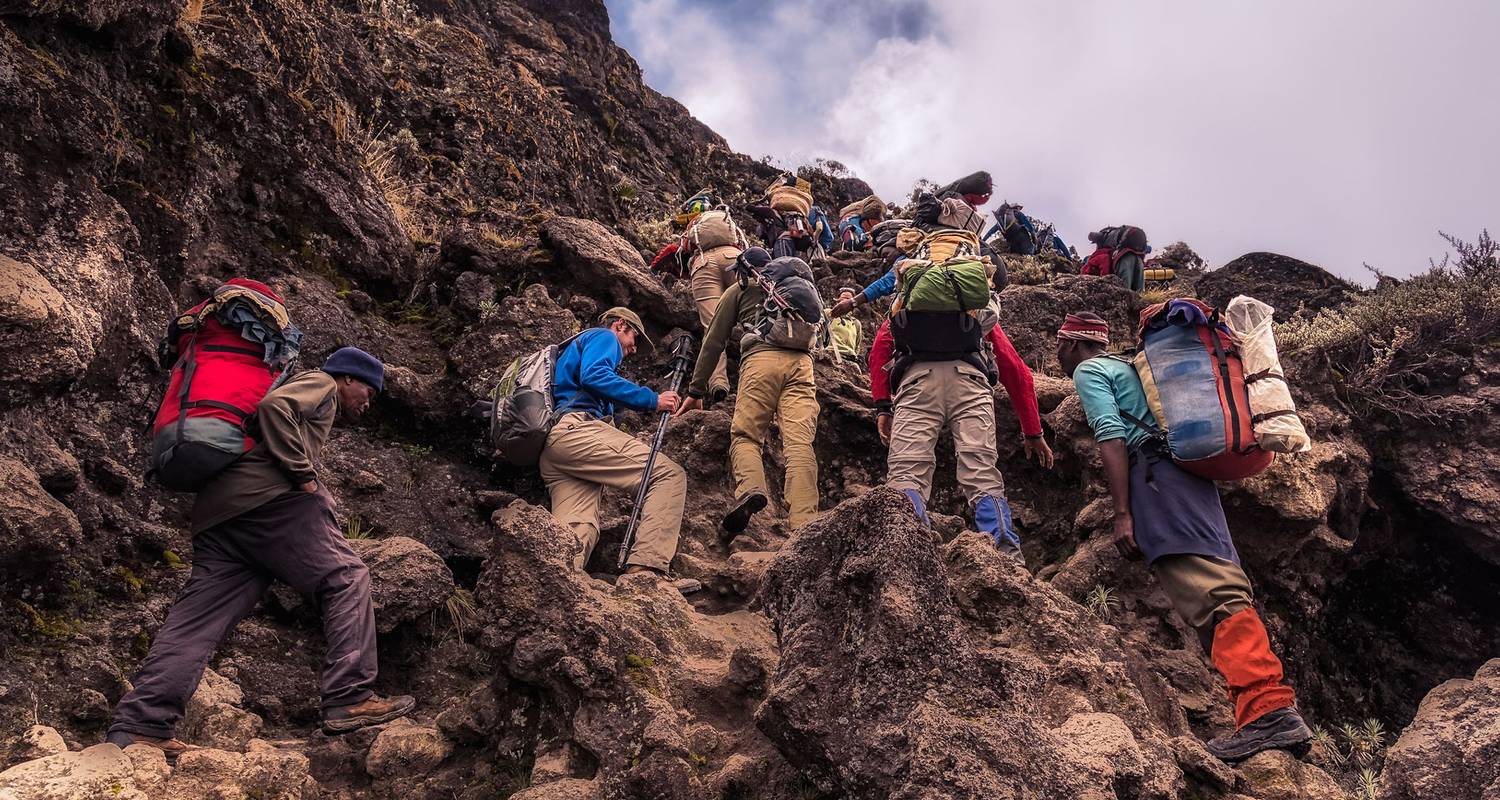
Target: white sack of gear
column 1277, row 426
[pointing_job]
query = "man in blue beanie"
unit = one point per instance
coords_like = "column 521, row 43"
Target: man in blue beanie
column 269, row 516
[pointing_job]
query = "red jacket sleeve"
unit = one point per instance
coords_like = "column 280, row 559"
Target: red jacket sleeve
column 881, row 351
column 666, row 252
column 1016, row 377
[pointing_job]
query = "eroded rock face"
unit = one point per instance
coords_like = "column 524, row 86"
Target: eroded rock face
column 36, row 531
column 884, row 690
column 607, row 263
column 215, row 716
column 1451, row 751
column 409, row 580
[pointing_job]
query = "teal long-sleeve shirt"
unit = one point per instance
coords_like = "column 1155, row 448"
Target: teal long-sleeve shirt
column 587, row 379
column 1106, row 386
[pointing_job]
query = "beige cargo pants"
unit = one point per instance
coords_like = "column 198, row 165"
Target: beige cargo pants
column 934, row 395
column 583, row 456
column 709, row 273
column 777, row 385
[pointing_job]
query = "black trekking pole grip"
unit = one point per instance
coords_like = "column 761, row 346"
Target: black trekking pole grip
column 682, row 352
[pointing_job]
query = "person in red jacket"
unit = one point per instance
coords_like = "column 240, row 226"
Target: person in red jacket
column 933, row 393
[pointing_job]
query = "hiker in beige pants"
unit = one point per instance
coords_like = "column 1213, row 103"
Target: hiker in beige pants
column 583, row 456
column 586, row 453
column 934, row 395
column 710, row 277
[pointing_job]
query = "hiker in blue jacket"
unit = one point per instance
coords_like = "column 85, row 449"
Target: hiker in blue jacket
column 585, row 452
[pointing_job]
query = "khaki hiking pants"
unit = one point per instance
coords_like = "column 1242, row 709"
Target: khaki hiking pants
column 710, row 276
column 777, row 385
column 583, row 456
column 1205, row 591
column 934, row 395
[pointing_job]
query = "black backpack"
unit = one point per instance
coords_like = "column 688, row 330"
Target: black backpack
column 791, row 315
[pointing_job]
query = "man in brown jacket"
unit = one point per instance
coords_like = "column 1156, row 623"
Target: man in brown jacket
column 268, row 516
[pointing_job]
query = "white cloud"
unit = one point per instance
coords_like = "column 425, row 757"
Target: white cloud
column 1338, row 132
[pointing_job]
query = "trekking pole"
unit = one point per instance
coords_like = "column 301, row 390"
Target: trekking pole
column 681, row 353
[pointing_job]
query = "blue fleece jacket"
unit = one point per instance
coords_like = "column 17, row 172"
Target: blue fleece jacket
column 883, row 285
column 587, row 379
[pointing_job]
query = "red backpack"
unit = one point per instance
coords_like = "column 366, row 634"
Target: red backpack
column 1100, row 262
column 1111, row 244
column 225, row 353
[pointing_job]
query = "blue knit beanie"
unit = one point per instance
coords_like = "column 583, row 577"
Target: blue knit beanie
column 356, row 363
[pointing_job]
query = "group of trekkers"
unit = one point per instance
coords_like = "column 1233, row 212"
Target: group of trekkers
column 933, row 364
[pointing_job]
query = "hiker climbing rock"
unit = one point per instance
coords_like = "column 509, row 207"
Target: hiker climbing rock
column 1174, row 520
column 269, row 516
column 857, row 220
column 779, row 308
column 1119, row 251
column 846, row 336
column 585, row 453
column 789, row 223
column 941, row 362
column 710, row 244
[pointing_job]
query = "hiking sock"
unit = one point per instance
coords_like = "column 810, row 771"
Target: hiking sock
column 1242, row 654
column 919, row 506
column 992, row 516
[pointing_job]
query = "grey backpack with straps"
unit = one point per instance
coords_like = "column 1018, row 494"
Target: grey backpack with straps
column 524, row 407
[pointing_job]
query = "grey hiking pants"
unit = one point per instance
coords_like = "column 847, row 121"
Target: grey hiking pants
column 293, row 538
column 934, row 395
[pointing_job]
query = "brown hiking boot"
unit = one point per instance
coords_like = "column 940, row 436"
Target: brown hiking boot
column 371, row 711
column 171, row 748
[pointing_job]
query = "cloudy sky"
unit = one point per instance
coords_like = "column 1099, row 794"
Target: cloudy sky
column 1339, row 132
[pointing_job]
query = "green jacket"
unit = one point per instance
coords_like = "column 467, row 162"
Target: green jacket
column 847, row 336
column 739, row 305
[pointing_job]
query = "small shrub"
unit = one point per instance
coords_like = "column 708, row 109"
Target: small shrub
column 354, row 528
column 462, row 612
column 627, row 191
column 1383, row 349
column 1101, row 602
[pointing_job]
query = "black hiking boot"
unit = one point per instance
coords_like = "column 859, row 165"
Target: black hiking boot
column 1282, row 729
column 717, row 395
column 739, row 517
column 171, row 748
column 372, row 711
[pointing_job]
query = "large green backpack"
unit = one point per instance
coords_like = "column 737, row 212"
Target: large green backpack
column 955, row 285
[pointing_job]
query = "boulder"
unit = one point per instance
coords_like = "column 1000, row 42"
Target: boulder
column 885, row 687
column 36, row 531
column 42, row 342
column 1278, row 775
column 38, row 741
column 263, row 771
column 1292, row 287
column 1451, row 750
column 409, row 580
column 214, row 717
column 95, row 772
column 606, row 267
column 566, row 789
column 406, row 750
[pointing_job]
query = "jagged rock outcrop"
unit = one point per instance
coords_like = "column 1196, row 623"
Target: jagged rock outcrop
column 1451, row 751
column 885, row 690
column 451, row 185
column 1292, row 287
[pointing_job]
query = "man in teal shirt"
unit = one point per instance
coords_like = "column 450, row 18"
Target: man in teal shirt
column 1175, row 521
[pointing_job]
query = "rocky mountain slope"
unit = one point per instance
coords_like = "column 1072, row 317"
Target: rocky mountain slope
column 452, row 184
